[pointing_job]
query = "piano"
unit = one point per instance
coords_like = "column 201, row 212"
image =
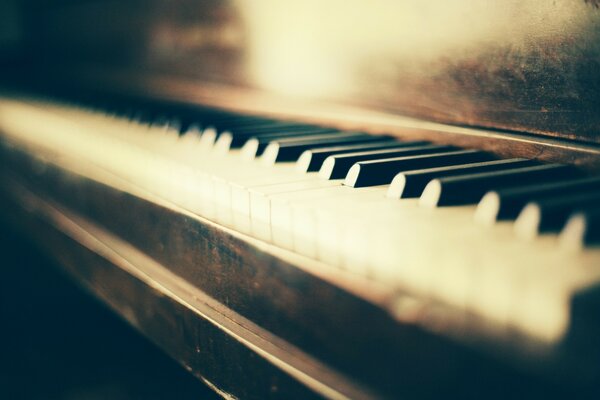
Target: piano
column 320, row 199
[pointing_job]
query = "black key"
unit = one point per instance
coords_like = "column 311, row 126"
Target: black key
column 265, row 127
column 212, row 133
column 239, row 122
column 506, row 203
column 255, row 146
column 193, row 130
column 582, row 229
column 178, row 125
column 186, row 116
column 165, row 125
column 550, row 215
column 337, row 166
column 234, row 139
column 225, row 121
column 290, row 149
column 381, row 172
column 410, row 184
column 208, row 136
column 175, row 124
column 142, row 117
column 469, row 189
column 312, row 160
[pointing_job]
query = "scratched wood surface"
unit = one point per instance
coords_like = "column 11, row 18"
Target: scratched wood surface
column 528, row 66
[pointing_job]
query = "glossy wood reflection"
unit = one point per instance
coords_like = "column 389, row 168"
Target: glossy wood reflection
column 521, row 65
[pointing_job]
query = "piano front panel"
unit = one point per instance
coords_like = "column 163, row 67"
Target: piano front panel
column 528, row 66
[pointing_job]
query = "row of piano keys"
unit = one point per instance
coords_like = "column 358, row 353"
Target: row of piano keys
column 540, row 197
column 413, row 215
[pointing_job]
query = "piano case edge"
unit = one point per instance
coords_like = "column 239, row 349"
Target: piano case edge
column 409, row 340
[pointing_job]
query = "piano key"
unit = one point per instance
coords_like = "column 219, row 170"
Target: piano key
column 208, row 136
column 234, row 186
column 320, row 223
column 268, row 201
column 235, row 138
column 312, row 160
column 176, row 124
column 506, row 203
column 232, row 120
column 266, row 127
column 215, row 130
column 255, row 146
column 272, row 206
column 260, row 195
column 402, row 227
column 395, row 243
column 191, row 141
column 307, row 214
column 185, row 118
column 469, row 189
column 212, row 132
column 337, row 166
column 353, row 189
column 261, row 202
column 227, row 185
column 582, row 229
column 282, row 213
column 410, row 184
column 321, row 227
column 291, row 149
column 550, row 215
column 193, row 130
column 380, row 172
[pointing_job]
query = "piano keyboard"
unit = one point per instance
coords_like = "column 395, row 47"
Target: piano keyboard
column 512, row 240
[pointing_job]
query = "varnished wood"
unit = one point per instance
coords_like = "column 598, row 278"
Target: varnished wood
column 185, row 323
column 515, row 78
column 109, row 86
column 528, row 66
column 273, row 293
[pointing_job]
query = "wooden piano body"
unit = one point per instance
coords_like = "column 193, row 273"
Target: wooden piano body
column 255, row 320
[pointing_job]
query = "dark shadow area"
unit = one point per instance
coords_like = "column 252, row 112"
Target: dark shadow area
column 58, row 342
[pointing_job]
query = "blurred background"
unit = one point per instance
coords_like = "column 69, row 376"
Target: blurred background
column 523, row 65
column 58, row 342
